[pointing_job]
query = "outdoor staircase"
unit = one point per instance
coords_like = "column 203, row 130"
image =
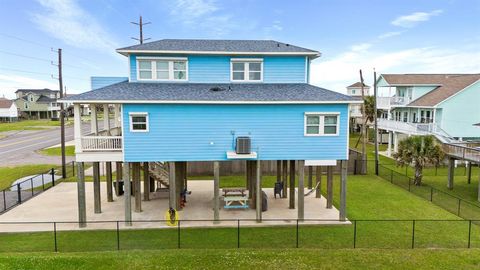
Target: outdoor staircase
column 159, row 172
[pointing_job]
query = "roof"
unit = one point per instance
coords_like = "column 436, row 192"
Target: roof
column 447, row 85
column 125, row 92
column 45, row 99
column 5, row 103
column 44, row 90
column 218, row 46
column 358, row 85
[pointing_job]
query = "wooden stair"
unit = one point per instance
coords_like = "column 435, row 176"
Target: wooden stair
column 159, row 172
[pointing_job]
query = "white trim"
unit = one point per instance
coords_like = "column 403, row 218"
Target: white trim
column 348, row 133
column 208, row 102
column 246, row 70
column 306, row 69
column 125, row 52
column 321, row 123
column 331, row 162
column 132, row 114
column 171, row 71
column 233, row 155
column 123, row 132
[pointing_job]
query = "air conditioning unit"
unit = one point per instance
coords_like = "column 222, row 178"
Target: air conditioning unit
column 243, row 145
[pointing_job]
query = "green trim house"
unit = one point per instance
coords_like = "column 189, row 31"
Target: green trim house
column 38, row 103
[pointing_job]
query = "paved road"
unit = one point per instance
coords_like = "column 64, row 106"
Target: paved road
column 20, row 147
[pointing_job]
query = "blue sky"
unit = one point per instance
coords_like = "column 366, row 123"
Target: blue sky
column 391, row 36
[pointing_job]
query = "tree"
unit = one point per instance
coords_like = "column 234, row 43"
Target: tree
column 368, row 110
column 419, row 151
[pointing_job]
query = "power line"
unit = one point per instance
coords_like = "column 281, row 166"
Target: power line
column 25, row 71
column 26, row 56
column 25, row 40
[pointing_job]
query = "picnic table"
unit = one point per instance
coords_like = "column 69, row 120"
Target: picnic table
column 234, row 192
column 236, row 202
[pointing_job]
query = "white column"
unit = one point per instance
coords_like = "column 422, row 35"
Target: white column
column 93, row 119
column 389, row 149
column 116, row 111
column 395, row 142
column 106, row 119
column 77, row 127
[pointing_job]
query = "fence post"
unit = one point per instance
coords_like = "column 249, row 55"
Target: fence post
column 73, row 168
column 31, row 185
column 458, row 211
column 413, row 233
column 469, row 232
column 43, row 183
column 238, row 233
column 354, row 234
column 19, row 193
column 178, row 234
column 53, row 177
column 297, row 234
column 431, row 194
column 118, row 236
column 55, row 235
column 4, row 201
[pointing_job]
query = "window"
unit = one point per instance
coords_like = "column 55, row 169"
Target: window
column 321, row 124
column 353, row 91
column 162, row 69
column 26, row 105
column 247, row 70
column 405, row 116
column 139, row 122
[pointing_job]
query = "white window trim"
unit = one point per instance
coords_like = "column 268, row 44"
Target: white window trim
column 246, row 70
column 170, row 68
column 321, row 123
column 132, row 114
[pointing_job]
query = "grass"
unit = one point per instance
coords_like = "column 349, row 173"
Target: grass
column 56, row 151
column 10, row 174
column 249, row 259
column 28, row 125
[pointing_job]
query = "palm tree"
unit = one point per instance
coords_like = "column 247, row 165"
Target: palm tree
column 419, row 151
column 369, row 111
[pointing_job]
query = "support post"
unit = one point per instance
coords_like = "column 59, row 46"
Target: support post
column 395, row 142
column 108, row 168
column 106, row 119
column 172, row 185
column 451, row 172
column 247, row 177
column 82, row 212
column 389, row 148
column 279, row 171
column 301, row 191
column 292, row 185
column 93, row 119
column 284, row 177
column 96, row 188
column 216, row 191
column 318, row 191
column 310, row 177
column 343, row 191
column 118, row 178
column 469, row 172
column 137, row 190
column 329, row 187
column 128, row 194
column 146, row 182
column 77, row 127
column 258, row 194
column 117, row 122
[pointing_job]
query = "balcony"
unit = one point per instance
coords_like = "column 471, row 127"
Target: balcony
column 411, row 128
column 103, row 141
column 386, row 103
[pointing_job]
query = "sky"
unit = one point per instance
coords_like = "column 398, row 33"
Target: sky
column 390, row 36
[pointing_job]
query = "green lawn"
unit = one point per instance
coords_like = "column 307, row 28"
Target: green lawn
column 56, row 151
column 10, row 174
column 249, row 259
column 28, row 125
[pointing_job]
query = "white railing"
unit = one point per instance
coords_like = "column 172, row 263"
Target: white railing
column 388, row 102
column 416, row 129
column 53, row 108
column 400, row 100
column 101, row 143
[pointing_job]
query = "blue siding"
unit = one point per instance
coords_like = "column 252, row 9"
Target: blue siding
column 216, row 69
column 201, row 132
column 99, row 82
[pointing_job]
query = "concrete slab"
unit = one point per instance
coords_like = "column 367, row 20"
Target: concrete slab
column 59, row 204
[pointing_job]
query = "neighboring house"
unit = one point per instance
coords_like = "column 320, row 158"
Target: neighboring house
column 38, row 103
column 444, row 105
column 355, row 91
column 193, row 100
column 8, row 110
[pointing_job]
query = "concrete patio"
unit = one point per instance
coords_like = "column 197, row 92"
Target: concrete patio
column 59, row 204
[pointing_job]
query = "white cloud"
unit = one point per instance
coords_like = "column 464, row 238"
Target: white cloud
column 361, row 47
column 68, row 21
column 342, row 70
column 390, row 34
column 411, row 20
column 202, row 14
column 9, row 83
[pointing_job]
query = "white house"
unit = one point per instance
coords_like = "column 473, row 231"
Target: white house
column 8, row 110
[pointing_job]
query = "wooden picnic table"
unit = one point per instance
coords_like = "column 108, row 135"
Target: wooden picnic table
column 236, row 202
column 234, row 192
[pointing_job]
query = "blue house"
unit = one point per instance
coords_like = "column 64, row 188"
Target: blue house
column 216, row 101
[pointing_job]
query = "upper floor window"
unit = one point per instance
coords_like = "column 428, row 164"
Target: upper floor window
column 161, row 69
column 246, row 70
column 138, row 122
column 321, row 124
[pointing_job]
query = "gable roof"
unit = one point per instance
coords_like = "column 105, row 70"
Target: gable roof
column 5, row 103
column 211, row 93
column 45, row 99
column 37, row 91
column 204, row 46
column 447, row 85
column 358, row 85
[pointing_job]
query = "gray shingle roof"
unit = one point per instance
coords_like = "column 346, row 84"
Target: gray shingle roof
column 251, row 46
column 37, row 91
column 126, row 92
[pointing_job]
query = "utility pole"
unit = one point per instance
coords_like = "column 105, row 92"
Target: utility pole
column 62, row 114
column 364, row 128
column 140, row 24
column 376, row 120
